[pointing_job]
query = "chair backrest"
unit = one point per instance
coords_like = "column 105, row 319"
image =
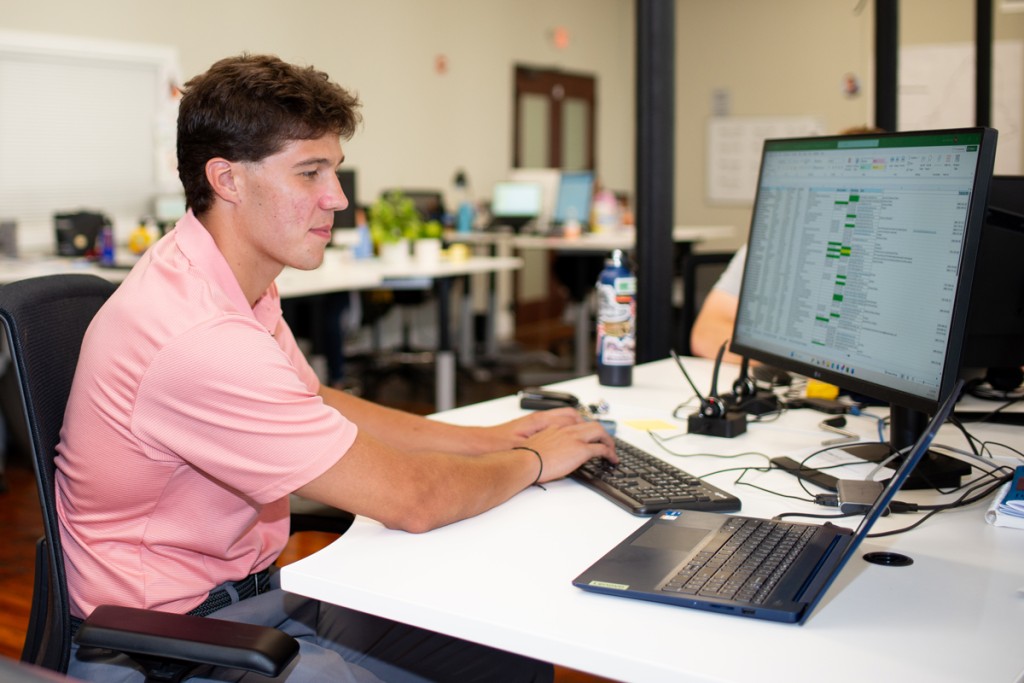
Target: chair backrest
column 45, row 319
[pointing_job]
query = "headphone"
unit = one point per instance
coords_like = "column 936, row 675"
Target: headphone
column 743, row 388
column 712, row 406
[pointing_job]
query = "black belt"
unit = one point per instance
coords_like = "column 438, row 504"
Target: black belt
column 254, row 584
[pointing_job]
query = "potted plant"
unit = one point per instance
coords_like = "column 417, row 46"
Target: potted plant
column 395, row 222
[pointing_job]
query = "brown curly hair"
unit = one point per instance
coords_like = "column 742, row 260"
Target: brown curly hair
column 249, row 107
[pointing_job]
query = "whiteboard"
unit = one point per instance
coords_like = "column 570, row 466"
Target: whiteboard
column 83, row 125
column 734, row 151
column 936, row 90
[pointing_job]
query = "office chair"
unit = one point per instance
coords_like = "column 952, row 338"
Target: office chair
column 405, row 360
column 45, row 319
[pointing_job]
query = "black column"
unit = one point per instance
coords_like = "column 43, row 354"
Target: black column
column 887, row 36
column 655, row 175
column 983, row 63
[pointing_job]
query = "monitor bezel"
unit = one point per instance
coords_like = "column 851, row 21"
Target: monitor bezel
column 958, row 321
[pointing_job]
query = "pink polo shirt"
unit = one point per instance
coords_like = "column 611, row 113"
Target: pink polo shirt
column 191, row 418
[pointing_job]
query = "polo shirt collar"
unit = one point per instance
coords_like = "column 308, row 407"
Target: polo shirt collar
column 197, row 245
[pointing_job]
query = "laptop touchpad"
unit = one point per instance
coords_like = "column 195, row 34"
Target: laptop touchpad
column 671, row 537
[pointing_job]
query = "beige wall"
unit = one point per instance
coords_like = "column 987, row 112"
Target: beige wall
column 778, row 58
column 420, row 126
column 787, row 58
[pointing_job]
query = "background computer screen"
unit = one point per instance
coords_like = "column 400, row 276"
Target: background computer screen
column 516, row 203
column 575, row 195
column 346, row 218
column 860, row 262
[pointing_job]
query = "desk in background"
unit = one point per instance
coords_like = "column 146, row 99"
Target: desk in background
column 335, row 275
column 443, row 275
column 503, row 578
column 588, row 244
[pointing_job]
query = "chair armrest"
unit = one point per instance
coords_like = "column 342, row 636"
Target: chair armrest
column 202, row 640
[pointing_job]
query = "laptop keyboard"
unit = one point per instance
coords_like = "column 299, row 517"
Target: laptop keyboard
column 745, row 562
column 645, row 484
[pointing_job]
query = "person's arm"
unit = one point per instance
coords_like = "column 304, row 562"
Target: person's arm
column 409, row 432
column 419, row 491
column 714, row 325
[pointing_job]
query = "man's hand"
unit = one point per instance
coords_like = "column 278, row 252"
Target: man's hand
column 564, row 448
column 515, row 432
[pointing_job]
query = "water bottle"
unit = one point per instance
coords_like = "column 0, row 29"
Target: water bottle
column 616, row 322
column 107, row 252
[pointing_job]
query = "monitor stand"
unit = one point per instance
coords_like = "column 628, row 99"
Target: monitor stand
column 935, row 471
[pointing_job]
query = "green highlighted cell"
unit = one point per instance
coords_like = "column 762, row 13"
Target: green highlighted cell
column 837, row 297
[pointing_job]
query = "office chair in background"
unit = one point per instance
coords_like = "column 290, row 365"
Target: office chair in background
column 405, row 360
column 45, row 320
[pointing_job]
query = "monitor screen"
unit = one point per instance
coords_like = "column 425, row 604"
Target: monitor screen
column 860, row 263
column 548, row 179
column 575, row 194
column 346, row 218
column 516, row 199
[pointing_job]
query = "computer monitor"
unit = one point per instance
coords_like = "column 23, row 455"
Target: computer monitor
column 994, row 347
column 346, row 218
column 429, row 203
column 575, row 195
column 860, row 263
column 549, row 180
column 516, row 203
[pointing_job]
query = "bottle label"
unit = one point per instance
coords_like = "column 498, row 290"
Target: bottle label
column 616, row 344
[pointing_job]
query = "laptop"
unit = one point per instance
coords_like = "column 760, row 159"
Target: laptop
column 662, row 560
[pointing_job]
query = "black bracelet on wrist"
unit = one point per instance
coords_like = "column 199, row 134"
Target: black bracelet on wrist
column 540, row 461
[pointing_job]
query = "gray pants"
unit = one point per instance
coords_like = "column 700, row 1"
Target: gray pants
column 339, row 644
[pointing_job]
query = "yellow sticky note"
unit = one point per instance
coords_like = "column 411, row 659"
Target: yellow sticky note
column 650, row 425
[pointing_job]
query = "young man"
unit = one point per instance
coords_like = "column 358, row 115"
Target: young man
column 193, row 414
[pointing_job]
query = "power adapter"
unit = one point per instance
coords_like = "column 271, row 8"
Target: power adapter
column 856, row 496
column 733, row 423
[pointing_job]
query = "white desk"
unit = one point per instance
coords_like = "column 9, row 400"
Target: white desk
column 335, row 275
column 619, row 239
column 503, row 578
column 12, row 270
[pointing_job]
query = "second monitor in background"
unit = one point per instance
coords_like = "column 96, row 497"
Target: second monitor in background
column 516, row 204
column 575, row 196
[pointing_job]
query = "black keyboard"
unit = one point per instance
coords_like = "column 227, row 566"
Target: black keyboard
column 746, row 561
column 645, row 485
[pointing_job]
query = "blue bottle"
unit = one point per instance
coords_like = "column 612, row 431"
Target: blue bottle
column 616, row 322
column 107, row 252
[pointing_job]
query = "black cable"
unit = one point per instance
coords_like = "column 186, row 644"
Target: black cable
column 963, row 501
column 661, row 440
column 808, row 515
